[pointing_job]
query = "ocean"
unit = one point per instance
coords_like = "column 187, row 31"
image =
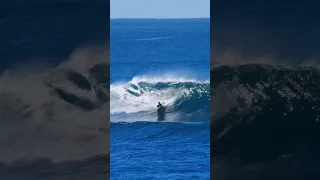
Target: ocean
column 268, row 123
column 54, row 90
column 167, row 61
column 265, row 90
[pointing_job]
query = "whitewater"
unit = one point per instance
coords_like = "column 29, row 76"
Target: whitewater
column 140, row 96
column 44, row 104
column 145, row 70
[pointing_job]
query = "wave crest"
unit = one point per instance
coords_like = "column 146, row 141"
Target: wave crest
column 141, row 94
column 44, row 113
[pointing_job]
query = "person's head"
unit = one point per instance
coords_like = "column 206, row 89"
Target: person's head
column 159, row 103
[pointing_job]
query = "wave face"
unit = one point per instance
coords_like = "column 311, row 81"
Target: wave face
column 141, row 95
column 264, row 112
column 56, row 113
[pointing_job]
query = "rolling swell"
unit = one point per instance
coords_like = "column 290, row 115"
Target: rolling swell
column 146, row 131
column 265, row 117
column 140, row 96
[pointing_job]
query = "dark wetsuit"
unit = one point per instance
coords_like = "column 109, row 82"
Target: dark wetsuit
column 161, row 112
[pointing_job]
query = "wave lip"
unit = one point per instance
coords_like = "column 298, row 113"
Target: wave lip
column 142, row 93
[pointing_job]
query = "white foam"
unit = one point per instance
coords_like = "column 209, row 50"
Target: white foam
column 54, row 129
column 124, row 102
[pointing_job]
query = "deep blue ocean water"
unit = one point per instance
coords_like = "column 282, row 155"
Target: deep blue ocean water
column 163, row 61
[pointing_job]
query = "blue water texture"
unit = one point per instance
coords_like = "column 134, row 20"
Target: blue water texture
column 167, row 61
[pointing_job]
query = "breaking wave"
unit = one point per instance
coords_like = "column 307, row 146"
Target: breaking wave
column 140, row 96
column 56, row 113
column 263, row 112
